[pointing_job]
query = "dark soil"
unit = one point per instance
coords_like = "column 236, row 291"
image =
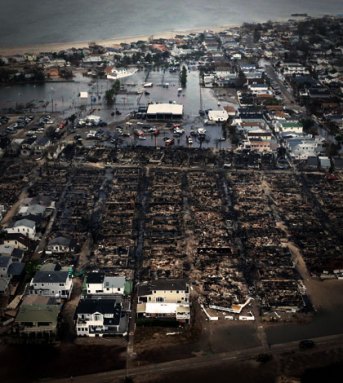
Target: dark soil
column 244, row 372
column 27, row 363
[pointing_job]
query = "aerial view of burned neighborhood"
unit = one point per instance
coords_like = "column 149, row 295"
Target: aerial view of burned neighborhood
column 171, row 207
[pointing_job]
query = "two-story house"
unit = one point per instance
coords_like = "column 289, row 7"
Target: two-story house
column 97, row 283
column 58, row 284
column 17, row 255
column 24, row 226
column 164, row 298
column 99, row 317
column 10, row 268
column 37, row 316
column 18, row 241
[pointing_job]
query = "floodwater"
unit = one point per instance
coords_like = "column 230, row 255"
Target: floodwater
column 63, row 97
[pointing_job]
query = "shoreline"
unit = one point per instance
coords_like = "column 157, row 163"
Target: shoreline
column 110, row 42
column 116, row 40
column 36, row 48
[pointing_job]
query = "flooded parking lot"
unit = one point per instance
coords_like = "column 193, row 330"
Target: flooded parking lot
column 63, row 98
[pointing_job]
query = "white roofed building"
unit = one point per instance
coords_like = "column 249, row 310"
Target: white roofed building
column 218, row 115
column 164, row 112
column 164, row 298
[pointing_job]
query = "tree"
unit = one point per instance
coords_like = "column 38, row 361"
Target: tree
column 309, row 126
column 109, row 96
column 111, row 93
column 183, row 77
column 116, row 87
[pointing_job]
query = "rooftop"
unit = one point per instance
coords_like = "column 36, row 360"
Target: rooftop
column 175, row 109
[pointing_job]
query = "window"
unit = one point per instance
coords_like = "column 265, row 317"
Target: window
column 159, row 299
column 61, row 284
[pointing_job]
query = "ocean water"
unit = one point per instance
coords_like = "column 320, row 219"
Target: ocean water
column 32, row 22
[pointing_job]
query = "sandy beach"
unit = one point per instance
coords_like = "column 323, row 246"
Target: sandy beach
column 55, row 47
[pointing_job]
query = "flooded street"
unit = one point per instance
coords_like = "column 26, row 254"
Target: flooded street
column 63, row 98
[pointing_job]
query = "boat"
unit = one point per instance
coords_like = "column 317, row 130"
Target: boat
column 117, row 74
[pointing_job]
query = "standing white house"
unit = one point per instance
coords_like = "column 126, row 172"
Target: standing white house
column 24, row 226
column 164, row 298
column 98, row 283
column 99, row 317
column 58, row 284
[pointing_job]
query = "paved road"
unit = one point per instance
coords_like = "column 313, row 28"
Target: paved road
column 288, row 98
column 322, row 343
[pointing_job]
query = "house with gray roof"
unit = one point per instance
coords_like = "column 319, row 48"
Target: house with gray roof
column 97, row 283
column 34, row 210
column 24, row 226
column 58, row 284
column 10, row 269
column 17, row 255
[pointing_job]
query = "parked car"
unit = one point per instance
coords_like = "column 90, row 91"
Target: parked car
column 169, row 142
